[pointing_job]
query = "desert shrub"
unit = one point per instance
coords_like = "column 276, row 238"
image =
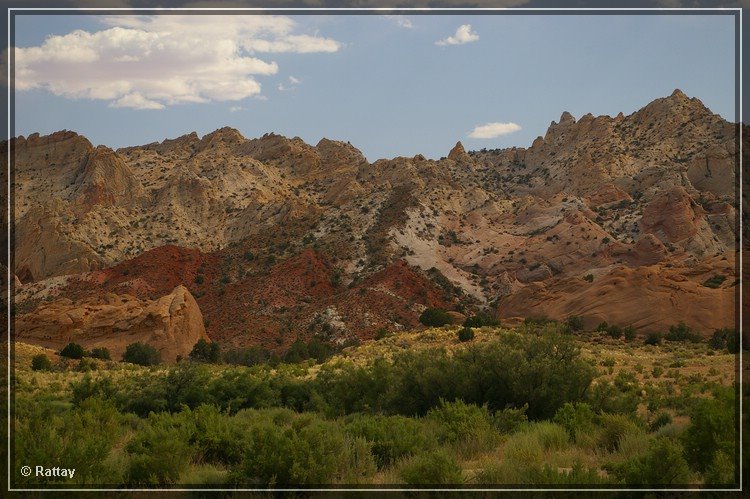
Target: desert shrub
column 465, row 334
column 391, row 437
column 480, row 320
column 41, row 362
column 681, row 332
column 204, row 351
column 652, row 338
column 574, row 323
column 711, row 430
column 507, row 420
column 100, row 353
column 614, row 331
column 663, row 464
column 551, row 436
column 725, row 338
column 721, row 471
column 141, row 354
column 308, row 451
column 188, row 385
column 314, row 349
column 381, row 333
column 575, row 418
column 86, row 364
column 160, row 452
column 620, row 396
column 661, row 419
column 588, row 278
column 523, row 449
column 84, row 435
column 602, row 327
column 629, row 333
column 715, row 281
column 72, row 351
column 435, row 317
column 615, row 426
column 218, row 438
column 247, row 356
column 431, row 468
column 467, row 424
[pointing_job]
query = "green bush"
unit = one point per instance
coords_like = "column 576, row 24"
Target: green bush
column 652, row 338
column 161, row 452
column 141, row 354
column 84, row 435
column 629, row 333
column 614, row 331
column 391, row 437
column 574, row 323
column 204, row 351
column 715, row 281
column 435, row 317
column 41, row 362
column 721, row 471
column 660, row 420
column 711, row 430
column 459, row 421
column 681, row 332
column 576, row 418
column 100, row 353
column 725, row 338
column 507, row 420
column 480, row 320
column 72, row 351
column 247, row 356
column 663, row 464
column 602, row 327
column 465, row 334
column 615, row 426
column 432, row 468
column 86, row 364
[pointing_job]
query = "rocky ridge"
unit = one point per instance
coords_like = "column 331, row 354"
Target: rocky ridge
column 278, row 239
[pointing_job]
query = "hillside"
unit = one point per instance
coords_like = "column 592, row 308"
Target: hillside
column 628, row 219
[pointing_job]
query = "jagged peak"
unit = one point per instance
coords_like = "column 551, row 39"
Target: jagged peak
column 226, row 132
column 566, row 117
column 457, row 151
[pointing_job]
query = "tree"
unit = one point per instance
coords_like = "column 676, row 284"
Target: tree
column 435, row 317
column 100, row 353
column 142, row 354
column 204, row 351
column 466, row 334
column 480, row 320
column 72, row 351
column 41, row 362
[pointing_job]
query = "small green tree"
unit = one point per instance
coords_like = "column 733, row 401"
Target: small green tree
column 204, row 351
column 141, row 354
column 480, row 320
column 100, row 353
column 41, row 362
column 629, row 333
column 435, row 317
column 574, row 323
column 72, row 351
column 652, row 338
column 466, row 334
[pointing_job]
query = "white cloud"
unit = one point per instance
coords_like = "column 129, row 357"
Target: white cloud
column 136, row 101
column 400, row 21
column 150, row 62
column 492, row 130
column 235, row 109
column 293, row 82
column 463, row 35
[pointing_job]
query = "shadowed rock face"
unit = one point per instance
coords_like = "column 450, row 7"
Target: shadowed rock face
column 278, row 239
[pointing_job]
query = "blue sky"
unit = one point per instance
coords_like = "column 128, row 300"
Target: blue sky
column 392, row 86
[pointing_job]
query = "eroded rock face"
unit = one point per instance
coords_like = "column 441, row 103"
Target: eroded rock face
column 172, row 324
column 671, row 216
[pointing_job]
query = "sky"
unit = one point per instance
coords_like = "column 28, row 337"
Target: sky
column 390, row 85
